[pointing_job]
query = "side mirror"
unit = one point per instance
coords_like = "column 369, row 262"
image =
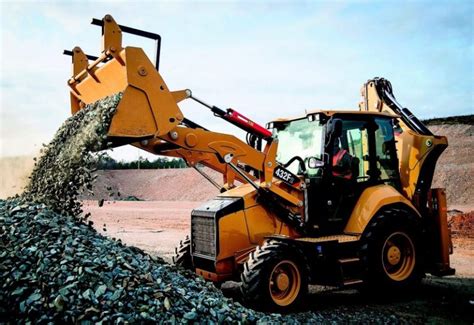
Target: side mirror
column 314, row 163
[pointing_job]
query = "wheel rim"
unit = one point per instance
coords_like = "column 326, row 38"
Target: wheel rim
column 398, row 256
column 285, row 283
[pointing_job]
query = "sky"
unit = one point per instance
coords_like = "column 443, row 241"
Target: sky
column 266, row 59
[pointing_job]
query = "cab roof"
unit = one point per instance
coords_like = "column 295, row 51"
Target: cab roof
column 330, row 113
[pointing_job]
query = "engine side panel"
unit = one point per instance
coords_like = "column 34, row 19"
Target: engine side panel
column 225, row 229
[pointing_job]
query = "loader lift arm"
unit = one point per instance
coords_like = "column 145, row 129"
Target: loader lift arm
column 149, row 118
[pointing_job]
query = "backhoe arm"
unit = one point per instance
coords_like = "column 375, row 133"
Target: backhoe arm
column 418, row 149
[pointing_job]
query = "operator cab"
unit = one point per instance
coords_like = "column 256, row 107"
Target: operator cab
column 339, row 155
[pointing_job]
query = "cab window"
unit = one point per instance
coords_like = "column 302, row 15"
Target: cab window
column 354, row 140
column 386, row 158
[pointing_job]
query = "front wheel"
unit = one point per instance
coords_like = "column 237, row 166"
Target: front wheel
column 182, row 255
column 274, row 277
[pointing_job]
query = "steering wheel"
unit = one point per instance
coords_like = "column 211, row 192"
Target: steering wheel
column 300, row 160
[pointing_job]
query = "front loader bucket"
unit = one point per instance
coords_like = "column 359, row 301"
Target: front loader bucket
column 147, row 107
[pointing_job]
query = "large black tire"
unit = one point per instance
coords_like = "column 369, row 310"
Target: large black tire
column 275, row 277
column 182, row 255
column 391, row 251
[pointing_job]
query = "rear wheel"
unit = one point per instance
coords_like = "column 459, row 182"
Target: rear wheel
column 398, row 256
column 275, row 277
column 391, row 251
column 182, row 255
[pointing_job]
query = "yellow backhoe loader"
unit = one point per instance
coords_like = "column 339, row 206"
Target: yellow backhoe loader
column 338, row 198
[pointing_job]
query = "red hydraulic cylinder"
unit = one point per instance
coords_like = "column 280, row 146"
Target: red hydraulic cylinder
column 246, row 123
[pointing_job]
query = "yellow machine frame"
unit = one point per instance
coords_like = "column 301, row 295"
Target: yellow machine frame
column 149, row 118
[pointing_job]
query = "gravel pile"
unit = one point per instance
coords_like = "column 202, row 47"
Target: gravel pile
column 56, row 268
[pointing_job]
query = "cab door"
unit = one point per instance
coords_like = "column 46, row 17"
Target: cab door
column 342, row 183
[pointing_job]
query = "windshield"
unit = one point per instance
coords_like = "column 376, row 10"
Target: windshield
column 299, row 138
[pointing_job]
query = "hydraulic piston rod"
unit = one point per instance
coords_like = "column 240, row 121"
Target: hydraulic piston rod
column 234, row 117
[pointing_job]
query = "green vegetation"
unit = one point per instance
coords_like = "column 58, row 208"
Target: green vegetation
column 463, row 119
column 107, row 162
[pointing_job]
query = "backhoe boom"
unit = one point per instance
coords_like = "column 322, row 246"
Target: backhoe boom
column 418, row 149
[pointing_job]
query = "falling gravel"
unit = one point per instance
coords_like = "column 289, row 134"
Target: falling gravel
column 55, row 268
column 66, row 166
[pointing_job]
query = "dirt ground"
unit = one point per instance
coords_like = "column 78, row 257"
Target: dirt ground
column 154, row 226
column 158, row 226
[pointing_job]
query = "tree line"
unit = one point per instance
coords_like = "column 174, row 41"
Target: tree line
column 106, row 162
